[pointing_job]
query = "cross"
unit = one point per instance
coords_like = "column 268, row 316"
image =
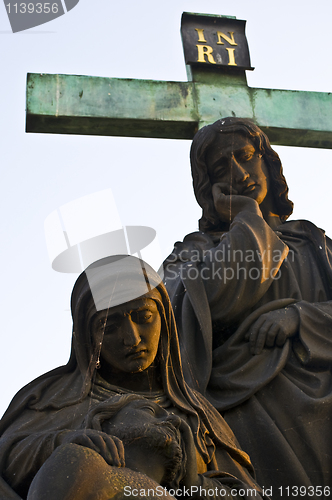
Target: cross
column 217, row 56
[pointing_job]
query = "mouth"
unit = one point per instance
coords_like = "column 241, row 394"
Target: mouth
column 137, row 353
column 248, row 189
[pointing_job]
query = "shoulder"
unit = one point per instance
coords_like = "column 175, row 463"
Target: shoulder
column 190, row 248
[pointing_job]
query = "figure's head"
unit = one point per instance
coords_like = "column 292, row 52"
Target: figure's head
column 129, row 334
column 235, row 151
column 144, row 427
column 111, row 284
column 125, row 337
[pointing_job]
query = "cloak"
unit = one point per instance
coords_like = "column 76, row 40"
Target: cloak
column 58, row 401
column 278, row 403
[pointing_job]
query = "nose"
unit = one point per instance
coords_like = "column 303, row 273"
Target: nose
column 238, row 172
column 130, row 332
column 174, row 420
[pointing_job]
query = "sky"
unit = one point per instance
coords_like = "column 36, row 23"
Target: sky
column 290, row 45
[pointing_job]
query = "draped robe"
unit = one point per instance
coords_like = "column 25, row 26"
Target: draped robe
column 57, row 402
column 278, row 403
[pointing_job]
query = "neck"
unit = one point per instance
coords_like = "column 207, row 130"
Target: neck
column 270, row 213
column 148, row 380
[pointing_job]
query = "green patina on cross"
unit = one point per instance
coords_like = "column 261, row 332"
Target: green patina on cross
column 217, row 56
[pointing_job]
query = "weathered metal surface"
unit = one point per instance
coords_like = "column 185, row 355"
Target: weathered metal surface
column 65, row 104
column 108, row 106
column 290, row 118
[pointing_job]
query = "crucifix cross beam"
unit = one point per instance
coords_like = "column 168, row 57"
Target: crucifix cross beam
column 217, row 56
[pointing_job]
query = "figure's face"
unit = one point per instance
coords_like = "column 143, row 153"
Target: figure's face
column 140, row 413
column 233, row 161
column 146, row 429
column 131, row 335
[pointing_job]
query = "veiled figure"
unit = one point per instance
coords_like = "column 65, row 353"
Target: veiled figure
column 251, row 293
column 124, row 342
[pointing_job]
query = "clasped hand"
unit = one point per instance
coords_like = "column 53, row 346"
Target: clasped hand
column 109, row 447
column 112, row 450
column 273, row 329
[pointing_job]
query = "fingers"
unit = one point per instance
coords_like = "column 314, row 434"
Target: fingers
column 271, row 335
column 109, row 447
column 116, row 449
column 256, row 335
column 281, row 338
column 223, row 188
column 273, row 329
column 228, row 202
column 266, row 334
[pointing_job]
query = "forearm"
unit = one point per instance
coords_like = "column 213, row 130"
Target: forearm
column 239, row 270
column 313, row 341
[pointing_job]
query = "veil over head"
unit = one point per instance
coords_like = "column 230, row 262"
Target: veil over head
column 103, row 285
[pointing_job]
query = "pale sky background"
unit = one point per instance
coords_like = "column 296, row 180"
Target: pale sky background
column 290, row 47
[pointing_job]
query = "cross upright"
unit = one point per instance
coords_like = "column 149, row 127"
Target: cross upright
column 217, row 57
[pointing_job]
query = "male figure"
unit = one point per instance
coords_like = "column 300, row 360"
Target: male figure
column 255, row 325
column 152, row 457
column 155, row 460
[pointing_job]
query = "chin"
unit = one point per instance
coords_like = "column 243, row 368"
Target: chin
column 140, row 367
column 258, row 196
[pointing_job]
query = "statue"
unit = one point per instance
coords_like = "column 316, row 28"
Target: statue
column 124, row 343
column 144, row 428
column 252, row 300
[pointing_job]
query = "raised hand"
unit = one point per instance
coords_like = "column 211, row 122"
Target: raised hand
column 228, row 203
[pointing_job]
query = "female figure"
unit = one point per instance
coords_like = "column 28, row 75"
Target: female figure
column 124, row 341
column 252, row 299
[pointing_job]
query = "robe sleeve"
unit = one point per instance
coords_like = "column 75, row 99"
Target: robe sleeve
column 208, row 282
column 24, row 457
column 236, row 273
column 313, row 345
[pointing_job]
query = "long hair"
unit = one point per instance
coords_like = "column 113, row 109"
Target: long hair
column 204, row 139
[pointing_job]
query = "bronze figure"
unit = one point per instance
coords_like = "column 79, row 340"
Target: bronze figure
column 252, row 294
column 118, row 348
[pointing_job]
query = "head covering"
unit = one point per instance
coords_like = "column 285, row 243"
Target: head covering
column 116, row 280
column 71, row 384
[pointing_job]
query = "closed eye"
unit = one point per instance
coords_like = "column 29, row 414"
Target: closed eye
column 245, row 157
column 149, row 409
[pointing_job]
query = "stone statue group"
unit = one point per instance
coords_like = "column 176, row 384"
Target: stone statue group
column 214, row 384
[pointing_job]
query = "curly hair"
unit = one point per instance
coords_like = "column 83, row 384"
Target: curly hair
column 204, row 139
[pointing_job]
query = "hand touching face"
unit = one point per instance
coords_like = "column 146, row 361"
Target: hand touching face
column 233, row 161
